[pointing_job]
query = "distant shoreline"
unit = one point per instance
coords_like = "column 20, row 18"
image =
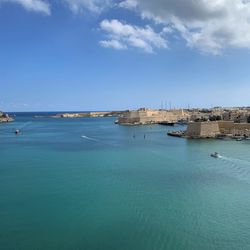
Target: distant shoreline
column 81, row 114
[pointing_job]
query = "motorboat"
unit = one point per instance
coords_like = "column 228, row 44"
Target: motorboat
column 215, row 155
column 165, row 123
column 17, row 132
column 240, row 139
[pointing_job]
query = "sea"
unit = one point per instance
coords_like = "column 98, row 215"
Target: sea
column 90, row 184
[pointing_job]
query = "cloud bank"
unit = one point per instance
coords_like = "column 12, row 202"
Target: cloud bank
column 95, row 6
column 121, row 36
column 76, row 6
column 209, row 26
column 32, row 5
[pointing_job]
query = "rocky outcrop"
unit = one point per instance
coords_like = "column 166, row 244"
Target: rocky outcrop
column 5, row 117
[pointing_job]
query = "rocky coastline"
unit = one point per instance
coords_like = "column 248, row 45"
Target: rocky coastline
column 5, row 117
column 83, row 114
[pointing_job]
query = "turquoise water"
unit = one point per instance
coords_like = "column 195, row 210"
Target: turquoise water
column 88, row 184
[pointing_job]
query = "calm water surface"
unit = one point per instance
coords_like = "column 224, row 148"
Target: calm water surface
column 88, row 184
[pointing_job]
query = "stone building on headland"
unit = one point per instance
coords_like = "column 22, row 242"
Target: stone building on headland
column 150, row 116
column 202, row 129
column 226, row 114
column 236, row 115
column 213, row 129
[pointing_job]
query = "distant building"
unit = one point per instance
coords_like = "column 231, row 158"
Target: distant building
column 149, row 116
column 212, row 129
column 236, row 115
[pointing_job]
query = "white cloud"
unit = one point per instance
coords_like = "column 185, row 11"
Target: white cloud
column 208, row 25
column 77, row 6
column 32, row 5
column 115, row 44
column 128, row 4
column 122, row 35
column 95, row 6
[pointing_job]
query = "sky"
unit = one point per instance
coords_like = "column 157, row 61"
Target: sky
column 83, row 55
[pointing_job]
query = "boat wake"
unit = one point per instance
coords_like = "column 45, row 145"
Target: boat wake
column 235, row 168
column 234, row 160
column 88, row 138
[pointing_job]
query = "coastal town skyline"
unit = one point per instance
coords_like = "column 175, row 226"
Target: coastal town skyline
column 117, row 55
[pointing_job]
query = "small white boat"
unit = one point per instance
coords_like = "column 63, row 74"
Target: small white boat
column 240, row 139
column 17, row 132
column 215, row 155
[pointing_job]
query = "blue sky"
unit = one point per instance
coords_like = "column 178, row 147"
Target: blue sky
column 112, row 55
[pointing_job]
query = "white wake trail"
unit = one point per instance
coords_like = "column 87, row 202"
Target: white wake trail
column 235, row 160
column 88, row 138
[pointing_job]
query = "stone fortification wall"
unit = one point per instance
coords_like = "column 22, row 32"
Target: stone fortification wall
column 234, row 128
column 226, row 127
column 211, row 129
column 202, row 129
column 128, row 120
column 242, row 129
column 151, row 116
column 139, row 116
column 193, row 129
